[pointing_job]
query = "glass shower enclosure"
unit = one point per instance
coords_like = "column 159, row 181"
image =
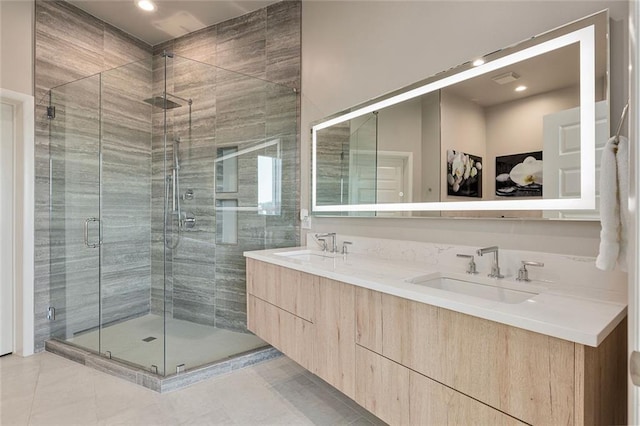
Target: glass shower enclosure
column 163, row 172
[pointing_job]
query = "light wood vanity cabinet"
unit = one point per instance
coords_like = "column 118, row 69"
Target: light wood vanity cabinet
column 532, row 377
column 308, row 318
column 412, row 363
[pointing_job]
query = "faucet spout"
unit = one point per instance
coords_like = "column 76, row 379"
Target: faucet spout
column 495, row 266
column 492, row 249
column 332, row 235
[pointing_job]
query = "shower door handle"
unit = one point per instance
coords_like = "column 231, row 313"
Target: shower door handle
column 86, row 232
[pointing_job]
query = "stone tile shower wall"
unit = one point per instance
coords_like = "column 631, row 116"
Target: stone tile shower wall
column 205, row 281
column 70, row 45
column 232, row 106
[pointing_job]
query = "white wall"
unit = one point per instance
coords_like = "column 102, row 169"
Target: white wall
column 517, row 127
column 16, row 45
column 462, row 128
column 356, row 50
column 16, row 87
column 400, row 130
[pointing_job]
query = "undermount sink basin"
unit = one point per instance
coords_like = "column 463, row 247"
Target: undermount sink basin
column 483, row 291
column 303, row 255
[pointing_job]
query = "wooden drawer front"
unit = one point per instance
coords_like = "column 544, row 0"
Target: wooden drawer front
column 334, row 354
column 382, row 387
column 286, row 288
column 291, row 335
column 431, row 403
column 368, row 320
column 526, row 374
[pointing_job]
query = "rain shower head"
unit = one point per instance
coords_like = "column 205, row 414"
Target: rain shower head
column 159, row 101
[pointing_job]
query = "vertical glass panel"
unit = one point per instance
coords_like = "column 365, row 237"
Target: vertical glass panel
column 227, row 169
column 227, row 221
column 187, row 167
column 281, row 228
column 363, row 160
column 75, row 212
column 130, row 332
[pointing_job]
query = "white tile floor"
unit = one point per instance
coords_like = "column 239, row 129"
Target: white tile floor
column 45, row 389
column 186, row 342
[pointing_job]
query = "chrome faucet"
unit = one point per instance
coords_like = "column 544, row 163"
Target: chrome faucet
column 332, row 235
column 495, row 266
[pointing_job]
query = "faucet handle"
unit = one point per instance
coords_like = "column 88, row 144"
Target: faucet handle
column 523, row 273
column 324, row 244
column 344, row 246
column 471, row 267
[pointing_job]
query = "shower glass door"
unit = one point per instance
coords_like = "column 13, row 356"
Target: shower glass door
column 75, row 211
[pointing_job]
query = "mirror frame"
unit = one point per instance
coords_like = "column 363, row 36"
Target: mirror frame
column 552, row 40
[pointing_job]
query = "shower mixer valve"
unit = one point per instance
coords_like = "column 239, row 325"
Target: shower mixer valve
column 189, row 221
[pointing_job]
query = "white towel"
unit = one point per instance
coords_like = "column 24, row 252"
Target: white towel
column 613, row 181
column 622, row 163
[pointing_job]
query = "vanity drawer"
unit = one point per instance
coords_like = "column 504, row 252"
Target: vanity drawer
column 334, row 354
column 382, row 386
column 290, row 334
column 431, row 403
column 290, row 290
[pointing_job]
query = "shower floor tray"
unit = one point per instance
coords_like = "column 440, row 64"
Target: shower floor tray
column 136, row 345
column 140, row 341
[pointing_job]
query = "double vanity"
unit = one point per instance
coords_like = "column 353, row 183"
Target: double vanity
column 405, row 331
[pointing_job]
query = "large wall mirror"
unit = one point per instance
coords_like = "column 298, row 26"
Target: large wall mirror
column 515, row 133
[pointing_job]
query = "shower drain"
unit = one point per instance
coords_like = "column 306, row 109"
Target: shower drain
column 149, row 339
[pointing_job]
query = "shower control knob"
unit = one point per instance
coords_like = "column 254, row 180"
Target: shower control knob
column 188, row 194
column 189, row 221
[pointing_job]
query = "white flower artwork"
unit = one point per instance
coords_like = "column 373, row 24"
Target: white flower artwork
column 464, row 174
column 519, row 175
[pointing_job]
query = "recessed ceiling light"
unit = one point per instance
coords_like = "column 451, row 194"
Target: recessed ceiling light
column 478, row 62
column 147, row 5
column 521, row 88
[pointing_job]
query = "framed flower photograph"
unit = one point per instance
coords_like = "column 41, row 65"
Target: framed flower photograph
column 464, row 174
column 519, row 175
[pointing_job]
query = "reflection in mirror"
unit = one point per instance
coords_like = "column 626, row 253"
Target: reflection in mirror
column 269, row 185
column 515, row 137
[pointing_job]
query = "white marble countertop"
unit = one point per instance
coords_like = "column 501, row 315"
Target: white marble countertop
column 567, row 311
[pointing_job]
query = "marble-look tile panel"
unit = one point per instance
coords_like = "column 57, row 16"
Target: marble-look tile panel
column 68, row 45
column 199, row 46
column 284, row 40
column 247, row 59
column 281, row 111
column 121, row 49
column 241, row 31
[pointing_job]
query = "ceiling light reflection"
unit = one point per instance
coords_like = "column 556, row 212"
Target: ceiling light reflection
column 147, row 5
